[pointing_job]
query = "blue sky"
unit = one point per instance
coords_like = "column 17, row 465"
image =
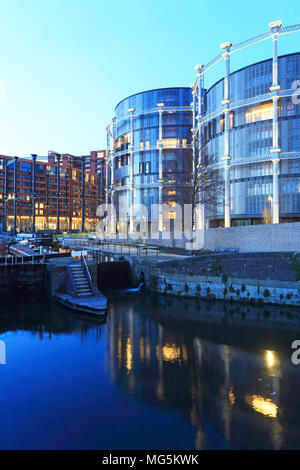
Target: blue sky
column 65, row 64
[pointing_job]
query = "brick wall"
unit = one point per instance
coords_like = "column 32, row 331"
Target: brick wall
column 280, row 237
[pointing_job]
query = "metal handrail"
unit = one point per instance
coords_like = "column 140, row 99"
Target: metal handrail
column 87, row 271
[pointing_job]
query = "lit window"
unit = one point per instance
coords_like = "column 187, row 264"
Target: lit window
column 262, row 112
column 170, row 143
column 222, row 123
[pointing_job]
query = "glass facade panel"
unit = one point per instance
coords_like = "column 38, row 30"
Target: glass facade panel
column 251, row 139
column 176, row 140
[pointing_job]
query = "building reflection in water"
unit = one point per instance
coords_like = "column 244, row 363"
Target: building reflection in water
column 232, row 395
column 225, row 369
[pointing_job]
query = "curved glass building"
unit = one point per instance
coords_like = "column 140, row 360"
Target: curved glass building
column 251, row 128
column 247, row 125
column 245, row 129
column 149, row 142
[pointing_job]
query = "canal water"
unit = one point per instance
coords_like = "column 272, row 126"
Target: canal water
column 162, row 373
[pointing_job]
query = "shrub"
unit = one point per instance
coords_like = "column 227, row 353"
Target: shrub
column 198, row 290
column 224, row 278
column 266, row 293
column 168, row 287
column 216, row 268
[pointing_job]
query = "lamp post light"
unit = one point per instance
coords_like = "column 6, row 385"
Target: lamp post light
column 270, row 199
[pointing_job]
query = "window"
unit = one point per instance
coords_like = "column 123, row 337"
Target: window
column 290, row 109
column 147, row 167
column 222, row 123
column 169, row 143
column 39, row 168
column 26, row 167
column 259, row 113
column 141, row 168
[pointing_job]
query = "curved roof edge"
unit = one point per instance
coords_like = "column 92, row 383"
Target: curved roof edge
column 154, row 89
column 251, row 65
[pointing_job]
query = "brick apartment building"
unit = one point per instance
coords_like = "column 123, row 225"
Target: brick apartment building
column 35, row 196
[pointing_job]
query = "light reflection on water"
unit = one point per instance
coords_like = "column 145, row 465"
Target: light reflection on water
column 162, row 373
column 231, row 393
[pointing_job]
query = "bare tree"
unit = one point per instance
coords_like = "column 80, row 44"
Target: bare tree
column 202, row 186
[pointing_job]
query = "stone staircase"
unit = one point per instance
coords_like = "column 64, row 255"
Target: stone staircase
column 81, row 281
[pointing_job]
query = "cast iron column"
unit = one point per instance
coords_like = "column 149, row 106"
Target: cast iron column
column 131, row 170
column 275, row 151
column 5, row 195
column 160, row 167
column 57, row 191
column 82, row 194
column 15, row 193
column 226, row 108
column 33, row 195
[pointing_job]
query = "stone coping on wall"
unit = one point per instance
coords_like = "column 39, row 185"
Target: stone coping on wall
column 218, row 280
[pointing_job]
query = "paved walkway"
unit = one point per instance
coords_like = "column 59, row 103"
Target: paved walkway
column 120, row 248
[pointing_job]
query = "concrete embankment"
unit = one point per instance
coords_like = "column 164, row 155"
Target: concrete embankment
column 22, row 278
column 243, row 277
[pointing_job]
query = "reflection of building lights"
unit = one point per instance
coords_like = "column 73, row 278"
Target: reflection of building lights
column 270, row 358
column 170, row 352
column 160, row 390
column 128, row 355
column 119, row 354
column 148, row 350
column 231, row 397
column 263, row 406
column 142, row 349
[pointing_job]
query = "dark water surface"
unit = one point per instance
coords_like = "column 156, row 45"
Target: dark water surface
column 162, row 373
